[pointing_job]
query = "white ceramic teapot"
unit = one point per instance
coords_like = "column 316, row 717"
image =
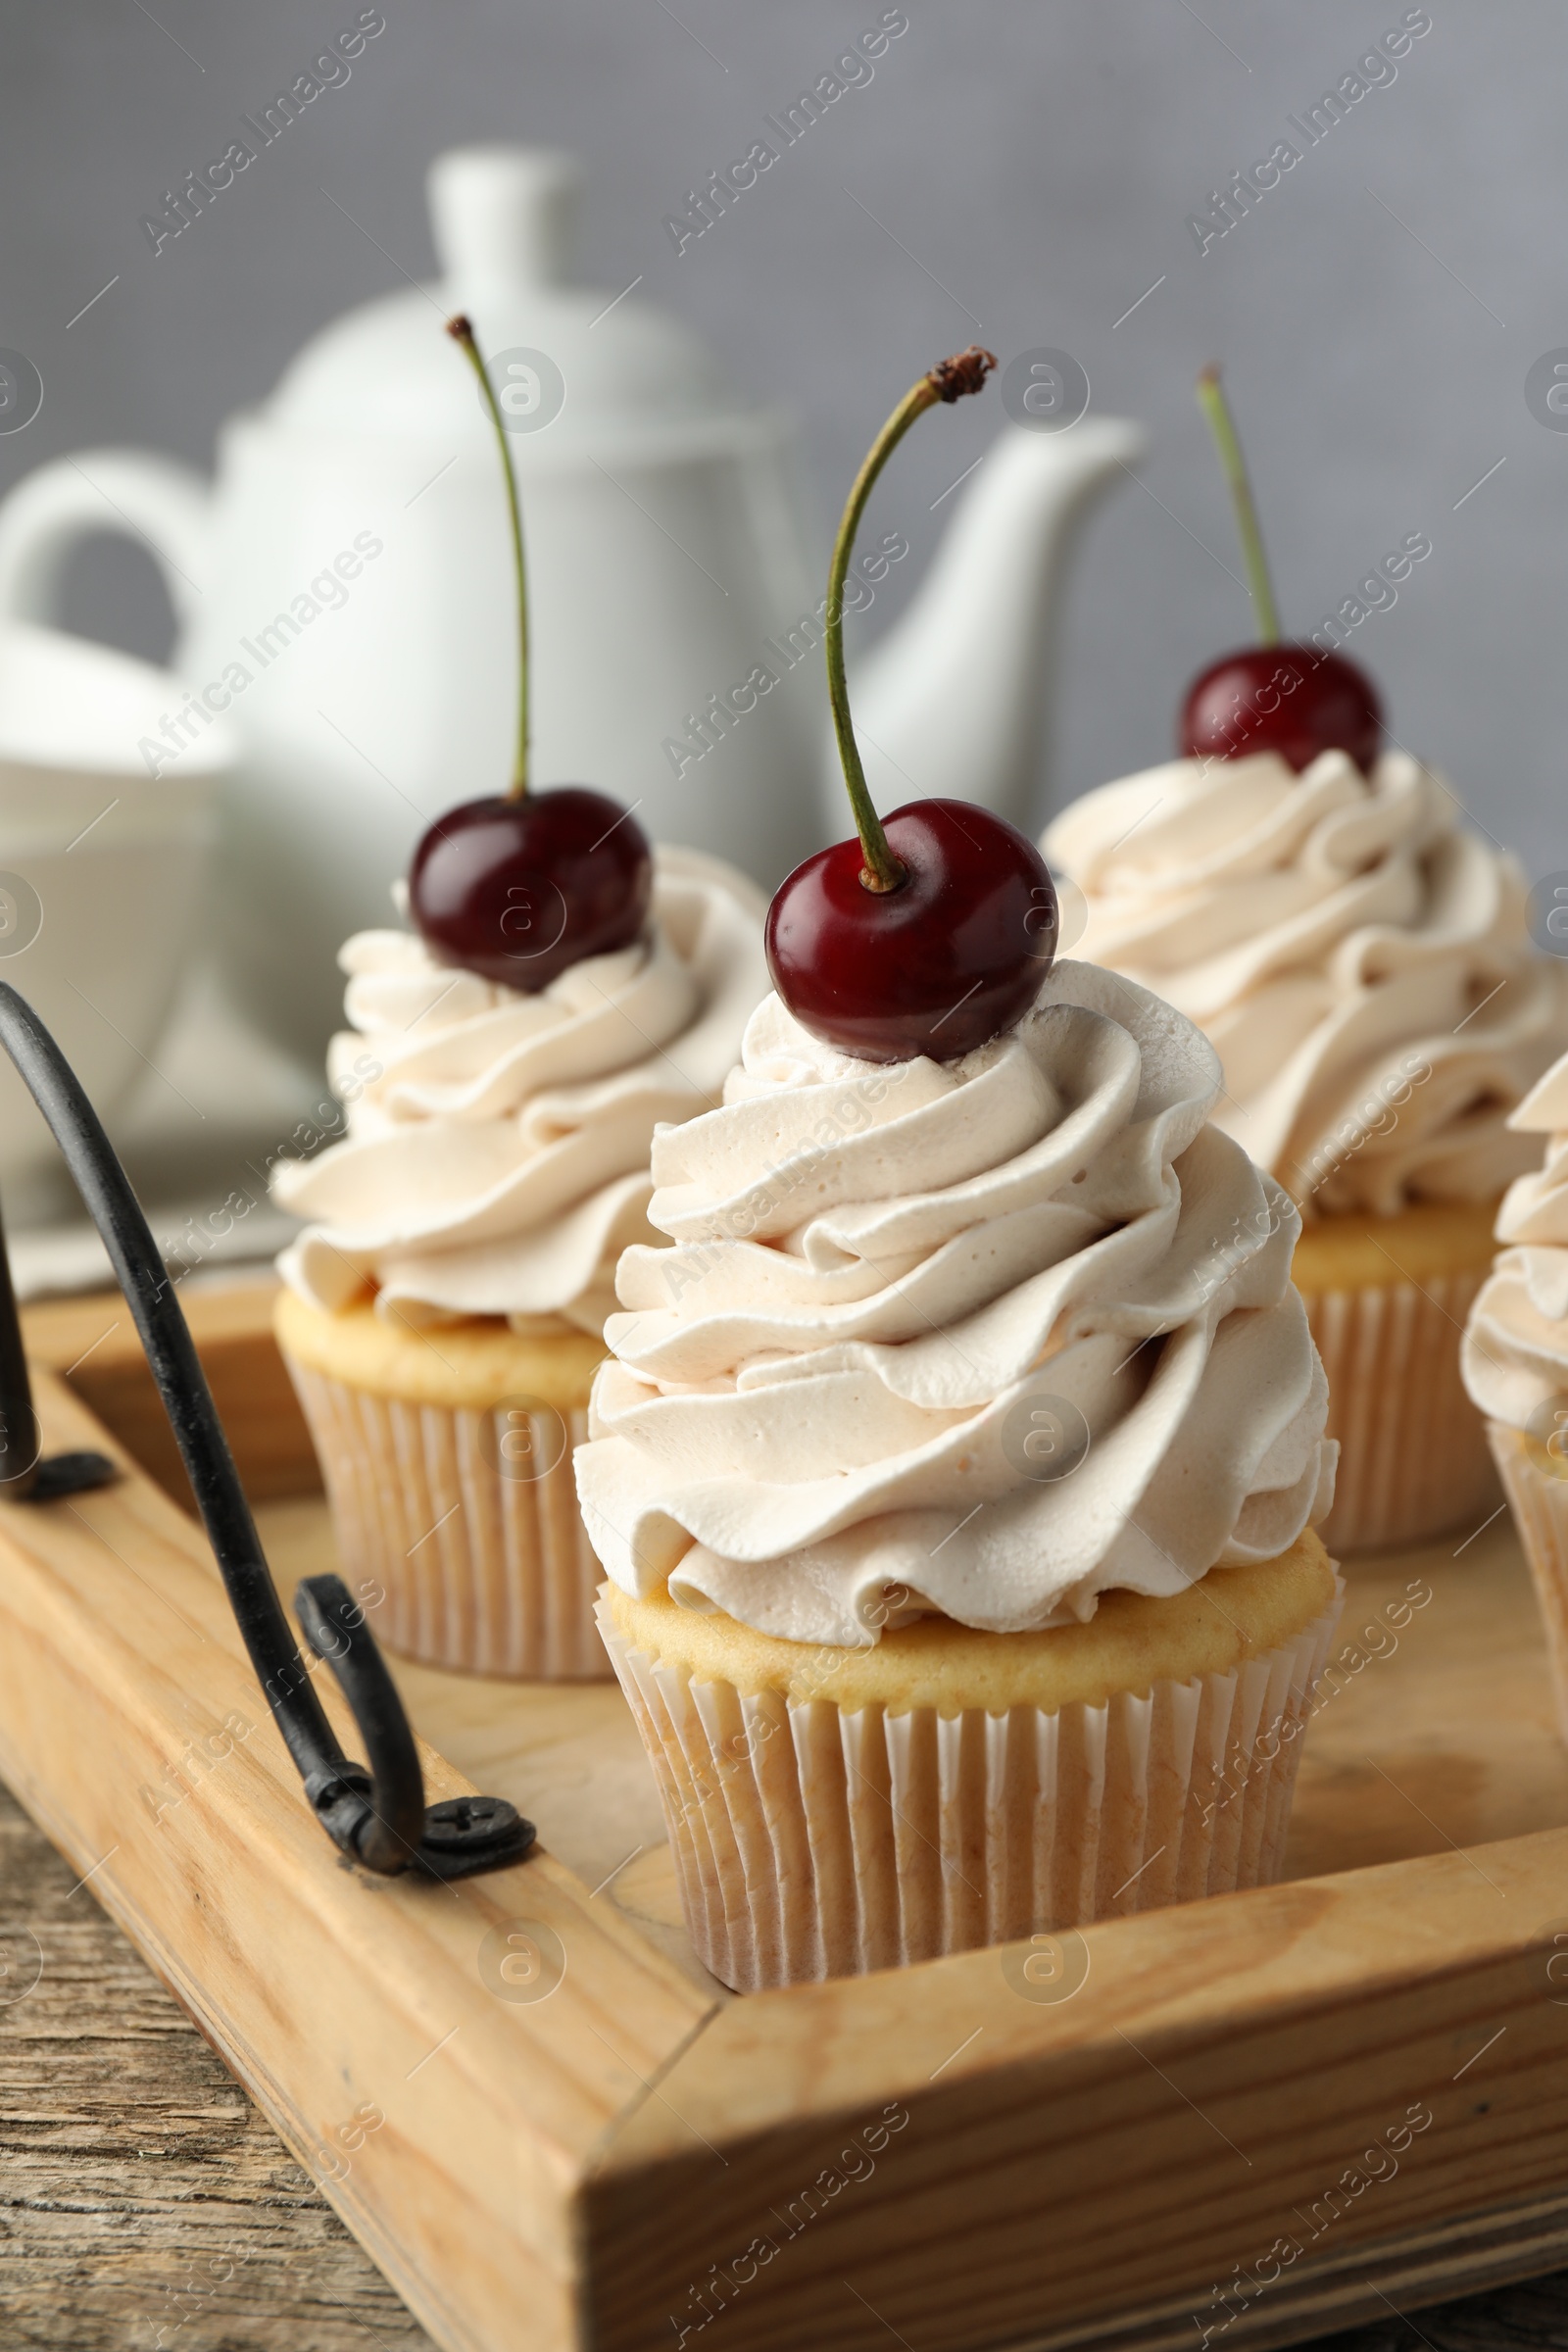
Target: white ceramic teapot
column 344, row 592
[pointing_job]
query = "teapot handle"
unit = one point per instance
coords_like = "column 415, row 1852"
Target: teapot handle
column 163, row 505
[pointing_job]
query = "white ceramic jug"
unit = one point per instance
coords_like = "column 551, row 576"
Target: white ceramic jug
column 344, row 591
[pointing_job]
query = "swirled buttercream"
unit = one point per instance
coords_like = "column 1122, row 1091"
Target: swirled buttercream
column 1515, row 1352
column 496, row 1160
column 903, row 1300
column 1358, row 956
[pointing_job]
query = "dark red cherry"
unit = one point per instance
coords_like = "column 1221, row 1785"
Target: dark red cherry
column 1289, row 698
column 517, row 889
column 954, row 952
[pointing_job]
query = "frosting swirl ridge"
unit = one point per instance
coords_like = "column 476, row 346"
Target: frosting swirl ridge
column 496, row 1160
column 1515, row 1351
column 1358, row 956
column 982, row 1338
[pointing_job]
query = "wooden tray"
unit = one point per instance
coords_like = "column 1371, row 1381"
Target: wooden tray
column 1258, row 2117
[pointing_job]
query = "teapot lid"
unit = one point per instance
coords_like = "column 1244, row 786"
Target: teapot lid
column 593, row 367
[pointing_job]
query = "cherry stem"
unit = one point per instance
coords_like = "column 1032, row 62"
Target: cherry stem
column 948, row 381
column 1213, row 401
column 460, row 330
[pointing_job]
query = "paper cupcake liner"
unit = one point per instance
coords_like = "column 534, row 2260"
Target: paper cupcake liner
column 1539, row 1505
column 810, row 1842
column 488, row 1574
column 1413, row 1455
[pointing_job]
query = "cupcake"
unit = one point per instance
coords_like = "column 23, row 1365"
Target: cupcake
column 1359, row 956
column 443, row 1308
column 1515, row 1361
column 954, row 1470
column 1360, row 961
column 507, row 1060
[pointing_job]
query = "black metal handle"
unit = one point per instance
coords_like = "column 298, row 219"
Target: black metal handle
column 377, row 1817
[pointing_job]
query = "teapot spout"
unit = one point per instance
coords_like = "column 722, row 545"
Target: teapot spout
column 955, row 700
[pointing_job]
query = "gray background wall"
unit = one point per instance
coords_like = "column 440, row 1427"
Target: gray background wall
column 1375, row 314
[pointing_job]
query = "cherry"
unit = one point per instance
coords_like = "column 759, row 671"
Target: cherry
column 1289, row 698
column 1272, row 697
column 952, row 955
column 518, row 890
column 522, row 885
column 931, row 933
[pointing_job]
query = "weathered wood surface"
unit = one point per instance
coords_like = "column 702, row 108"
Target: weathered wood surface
column 143, row 2200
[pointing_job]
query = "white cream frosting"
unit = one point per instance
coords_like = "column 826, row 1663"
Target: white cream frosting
column 1515, row 1352
column 817, row 1411
column 496, row 1160
column 1358, row 956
